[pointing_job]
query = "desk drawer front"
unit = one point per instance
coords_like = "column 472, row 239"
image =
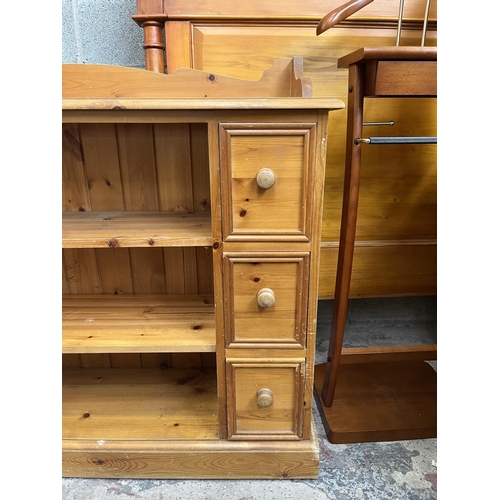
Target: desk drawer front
column 266, row 175
column 266, row 300
column 265, row 399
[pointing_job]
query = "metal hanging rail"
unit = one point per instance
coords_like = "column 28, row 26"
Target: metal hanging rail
column 396, row 140
column 400, row 22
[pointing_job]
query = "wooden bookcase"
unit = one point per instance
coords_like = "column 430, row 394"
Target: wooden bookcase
column 190, row 231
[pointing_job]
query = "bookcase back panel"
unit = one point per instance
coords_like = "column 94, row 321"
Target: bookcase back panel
column 138, row 270
column 135, row 167
column 145, row 360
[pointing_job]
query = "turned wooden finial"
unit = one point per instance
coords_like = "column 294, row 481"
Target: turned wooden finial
column 154, row 48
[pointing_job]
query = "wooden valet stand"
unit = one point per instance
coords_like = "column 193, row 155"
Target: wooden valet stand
column 383, row 393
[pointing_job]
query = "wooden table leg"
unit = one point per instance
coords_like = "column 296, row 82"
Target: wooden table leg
column 347, row 229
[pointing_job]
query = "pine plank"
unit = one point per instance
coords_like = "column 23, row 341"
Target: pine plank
column 175, row 183
column 102, row 162
column 137, row 165
column 81, row 270
column 135, row 229
column 139, row 404
column 148, row 273
column 128, row 323
column 75, row 190
column 204, row 459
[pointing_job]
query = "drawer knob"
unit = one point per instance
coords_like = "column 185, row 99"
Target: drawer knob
column 264, row 398
column 266, row 178
column 265, row 298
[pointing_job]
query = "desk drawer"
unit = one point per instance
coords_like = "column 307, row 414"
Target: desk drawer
column 265, row 399
column 265, row 300
column 267, row 173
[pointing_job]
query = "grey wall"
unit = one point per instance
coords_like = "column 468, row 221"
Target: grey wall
column 101, row 32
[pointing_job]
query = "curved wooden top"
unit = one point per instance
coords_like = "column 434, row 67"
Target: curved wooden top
column 96, row 86
column 284, row 79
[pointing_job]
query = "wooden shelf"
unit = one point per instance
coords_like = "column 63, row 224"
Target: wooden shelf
column 127, row 323
column 380, row 401
column 139, row 404
column 135, row 229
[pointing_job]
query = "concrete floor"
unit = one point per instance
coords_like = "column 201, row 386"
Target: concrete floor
column 399, row 470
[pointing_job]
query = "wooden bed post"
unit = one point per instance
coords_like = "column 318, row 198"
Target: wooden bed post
column 151, row 19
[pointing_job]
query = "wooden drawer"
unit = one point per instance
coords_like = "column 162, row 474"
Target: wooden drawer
column 265, row 300
column 265, row 399
column 266, row 175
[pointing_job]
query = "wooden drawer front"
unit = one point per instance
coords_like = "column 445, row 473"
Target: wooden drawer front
column 284, row 155
column 266, row 300
column 265, row 399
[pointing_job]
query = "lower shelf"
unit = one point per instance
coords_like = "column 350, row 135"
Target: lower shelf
column 380, row 401
column 139, row 404
column 162, row 424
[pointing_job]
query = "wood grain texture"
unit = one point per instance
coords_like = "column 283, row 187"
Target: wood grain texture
column 283, row 79
column 397, row 78
column 137, row 323
column 246, row 322
column 285, row 209
column 381, row 401
column 288, row 9
column 117, row 167
column 382, row 270
column 153, row 366
column 284, row 418
column 139, row 404
column 209, row 459
column 97, row 229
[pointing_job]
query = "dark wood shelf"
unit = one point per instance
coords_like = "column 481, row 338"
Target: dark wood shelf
column 380, row 401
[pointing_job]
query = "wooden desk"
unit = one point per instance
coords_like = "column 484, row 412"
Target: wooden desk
column 378, row 394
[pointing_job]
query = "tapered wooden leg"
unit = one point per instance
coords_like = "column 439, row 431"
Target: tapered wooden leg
column 347, row 229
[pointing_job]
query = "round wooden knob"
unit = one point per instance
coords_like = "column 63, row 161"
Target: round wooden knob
column 265, row 178
column 265, row 398
column 265, row 298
